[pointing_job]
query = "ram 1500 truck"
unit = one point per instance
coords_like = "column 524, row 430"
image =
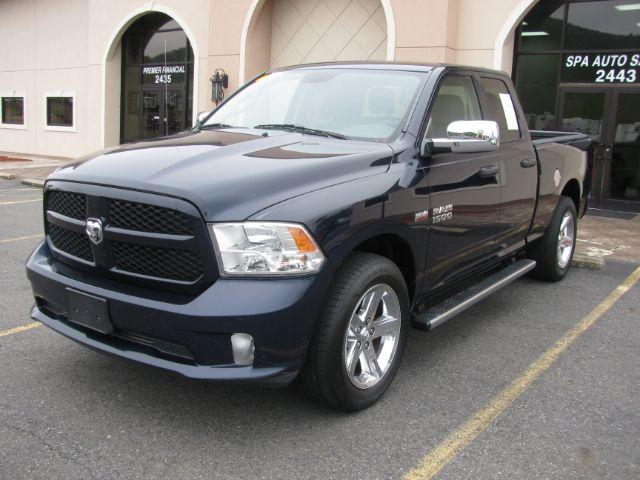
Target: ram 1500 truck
column 304, row 226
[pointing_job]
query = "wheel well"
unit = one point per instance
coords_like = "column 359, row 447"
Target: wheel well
column 398, row 251
column 572, row 190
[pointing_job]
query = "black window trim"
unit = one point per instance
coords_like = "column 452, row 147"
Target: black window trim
column 14, row 94
column 460, row 73
column 61, row 94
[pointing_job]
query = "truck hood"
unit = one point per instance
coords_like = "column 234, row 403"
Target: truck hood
column 231, row 174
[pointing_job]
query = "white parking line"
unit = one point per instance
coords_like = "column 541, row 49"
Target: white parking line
column 21, row 201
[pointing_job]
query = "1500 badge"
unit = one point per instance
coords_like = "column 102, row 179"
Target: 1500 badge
column 442, row 213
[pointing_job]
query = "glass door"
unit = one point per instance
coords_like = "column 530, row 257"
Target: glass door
column 153, row 124
column 611, row 116
column 624, row 138
column 586, row 110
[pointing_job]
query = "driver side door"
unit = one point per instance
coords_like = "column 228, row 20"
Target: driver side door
column 464, row 188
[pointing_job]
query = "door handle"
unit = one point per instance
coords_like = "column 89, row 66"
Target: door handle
column 528, row 162
column 489, row 171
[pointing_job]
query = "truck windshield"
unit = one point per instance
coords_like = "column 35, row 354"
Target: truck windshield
column 358, row 104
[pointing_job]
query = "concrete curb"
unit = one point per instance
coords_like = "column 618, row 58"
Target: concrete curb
column 32, row 183
column 7, row 176
column 587, row 262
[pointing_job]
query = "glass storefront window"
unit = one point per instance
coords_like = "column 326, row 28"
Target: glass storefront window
column 12, row 110
column 174, row 43
column 537, row 81
column 60, row 111
column 583, row 112
column 541, row 29
column 609, row 25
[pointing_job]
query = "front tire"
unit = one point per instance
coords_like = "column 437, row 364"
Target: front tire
column 554, row 252
column 361, row 335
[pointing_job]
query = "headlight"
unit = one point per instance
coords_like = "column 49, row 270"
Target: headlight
column 256, row 248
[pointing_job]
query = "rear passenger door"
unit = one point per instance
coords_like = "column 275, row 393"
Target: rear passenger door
column 464, row 188
column 517, row 159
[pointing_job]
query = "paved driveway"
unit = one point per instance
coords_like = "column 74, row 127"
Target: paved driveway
column 70, row 413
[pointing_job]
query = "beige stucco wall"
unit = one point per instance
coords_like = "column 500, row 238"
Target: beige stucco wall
column 74, row 45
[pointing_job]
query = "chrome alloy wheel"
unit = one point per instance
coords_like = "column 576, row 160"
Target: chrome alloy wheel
column 566, row 239
column 372, row 336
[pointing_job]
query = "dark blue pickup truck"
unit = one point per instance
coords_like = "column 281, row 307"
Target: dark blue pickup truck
column 305, row 226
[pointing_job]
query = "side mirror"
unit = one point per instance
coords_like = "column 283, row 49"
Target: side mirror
column 465, row 136
column 201, row 116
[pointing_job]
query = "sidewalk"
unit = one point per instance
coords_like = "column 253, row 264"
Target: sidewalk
column 31, row 170
column 599, row 238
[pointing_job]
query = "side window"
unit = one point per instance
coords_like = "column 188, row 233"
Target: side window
column 501, row 108
column 456, row 100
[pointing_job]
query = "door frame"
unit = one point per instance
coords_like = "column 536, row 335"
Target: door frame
column 603, row 158
column 607, row 201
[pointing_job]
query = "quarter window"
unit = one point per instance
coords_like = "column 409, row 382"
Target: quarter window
column 12, row 111
column 60, row 111
column 501, row 108
column 456, row 100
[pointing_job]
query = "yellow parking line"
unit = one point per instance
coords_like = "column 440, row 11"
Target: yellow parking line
column 28, row 237
column 21, row 201
column 22, row 328
column 447, row 450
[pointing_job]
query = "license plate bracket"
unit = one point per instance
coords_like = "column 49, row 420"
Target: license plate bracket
column 89, row 311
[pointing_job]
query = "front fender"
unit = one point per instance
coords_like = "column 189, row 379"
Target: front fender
column 343, row 216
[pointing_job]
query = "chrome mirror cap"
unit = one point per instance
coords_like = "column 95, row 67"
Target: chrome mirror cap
column 201, row 116
column 465, row 136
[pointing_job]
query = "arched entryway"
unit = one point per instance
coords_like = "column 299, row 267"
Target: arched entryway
column 278, row 33
column 157, row 79
column 148, row 77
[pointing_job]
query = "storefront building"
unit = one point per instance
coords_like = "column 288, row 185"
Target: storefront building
column 80, row 75
column 577, row 68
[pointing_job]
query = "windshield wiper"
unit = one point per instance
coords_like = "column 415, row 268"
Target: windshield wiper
column 292, row 127
column 214, row 126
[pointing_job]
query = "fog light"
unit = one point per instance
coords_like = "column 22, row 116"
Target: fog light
column 243, row 348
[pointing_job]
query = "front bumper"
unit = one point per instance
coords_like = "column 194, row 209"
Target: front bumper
column 190, row 335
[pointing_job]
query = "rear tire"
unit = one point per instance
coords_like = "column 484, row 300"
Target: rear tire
column 554, row 251
column 361, row 334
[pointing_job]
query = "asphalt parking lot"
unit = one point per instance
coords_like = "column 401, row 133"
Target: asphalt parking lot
column 68, row 412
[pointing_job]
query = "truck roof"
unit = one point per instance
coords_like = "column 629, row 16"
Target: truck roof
column 386, row 65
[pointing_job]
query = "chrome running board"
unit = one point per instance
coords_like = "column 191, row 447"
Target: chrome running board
column 449, row 308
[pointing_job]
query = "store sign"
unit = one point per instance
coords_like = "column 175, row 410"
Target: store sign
column 601, row 68
column 164, row 74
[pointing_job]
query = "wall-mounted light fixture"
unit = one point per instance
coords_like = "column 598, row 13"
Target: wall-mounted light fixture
column 219, row 82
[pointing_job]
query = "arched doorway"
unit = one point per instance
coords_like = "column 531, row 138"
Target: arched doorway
column 157, row 79
column 278, row 33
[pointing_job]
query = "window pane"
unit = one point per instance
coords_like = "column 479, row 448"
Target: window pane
column 583, row 112
column 13, row 110
column 501, row 108
column 174, row 43
column 60, row 111
column 456, row 100
column 602, row 25
column 536, row 81
column 541, row 29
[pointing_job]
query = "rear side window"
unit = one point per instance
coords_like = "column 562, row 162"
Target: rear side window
column 456, row 100
column 501, row 108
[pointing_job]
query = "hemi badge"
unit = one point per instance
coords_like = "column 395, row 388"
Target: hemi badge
column 422, row 216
